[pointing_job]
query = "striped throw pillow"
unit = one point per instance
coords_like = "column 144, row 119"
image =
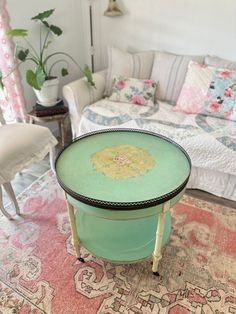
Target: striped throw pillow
column 169, row 70
column 120, row 63
column 218, row 62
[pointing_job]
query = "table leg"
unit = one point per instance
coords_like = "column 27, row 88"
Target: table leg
column 159, row 234
column 62, row 131
column 8, row 188
column 31, row 120
column 75, row 239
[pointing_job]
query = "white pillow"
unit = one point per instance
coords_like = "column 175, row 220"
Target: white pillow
column 218, row 62
column 169, row 70
column 120, row 63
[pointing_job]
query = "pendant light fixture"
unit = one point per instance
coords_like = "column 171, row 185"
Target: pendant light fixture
column 113, row 9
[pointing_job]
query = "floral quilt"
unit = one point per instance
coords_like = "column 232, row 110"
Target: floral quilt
column 210, row 141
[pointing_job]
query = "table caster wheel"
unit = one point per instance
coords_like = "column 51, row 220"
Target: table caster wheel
column 81, row 260
column 155, row 273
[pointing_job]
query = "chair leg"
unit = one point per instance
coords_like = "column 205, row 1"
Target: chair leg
column 5, row 213
column 8, row 188
column 52, row 159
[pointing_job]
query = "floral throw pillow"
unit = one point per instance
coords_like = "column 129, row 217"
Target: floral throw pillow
column 208, row 90
column 134, row 91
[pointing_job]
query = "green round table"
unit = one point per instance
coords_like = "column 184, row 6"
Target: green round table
column 119, row 185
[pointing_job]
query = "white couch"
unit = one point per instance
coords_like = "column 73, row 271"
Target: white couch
column 210, row 142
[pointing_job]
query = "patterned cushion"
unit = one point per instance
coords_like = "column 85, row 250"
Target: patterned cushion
column 220, row 63
column 210, row 91
column 135, row 91
column 169, row 70
column 138, row 65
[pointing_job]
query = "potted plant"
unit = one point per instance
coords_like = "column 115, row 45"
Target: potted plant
column 41, row 76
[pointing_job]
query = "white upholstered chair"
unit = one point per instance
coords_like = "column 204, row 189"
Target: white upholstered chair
column 21, row 144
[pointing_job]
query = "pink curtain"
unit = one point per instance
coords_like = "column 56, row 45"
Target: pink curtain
column 13, row 104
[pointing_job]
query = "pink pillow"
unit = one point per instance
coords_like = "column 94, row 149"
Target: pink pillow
column 208, row 90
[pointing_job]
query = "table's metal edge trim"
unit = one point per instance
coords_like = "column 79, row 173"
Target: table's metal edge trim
column 124, row 205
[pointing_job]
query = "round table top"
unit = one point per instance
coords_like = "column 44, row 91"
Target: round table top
column 123, row 169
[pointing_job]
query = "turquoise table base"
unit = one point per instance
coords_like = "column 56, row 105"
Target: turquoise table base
column 120, row 241
column 120, row 236
column 120, row 186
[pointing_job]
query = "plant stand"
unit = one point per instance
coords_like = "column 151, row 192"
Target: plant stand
column 59, row 118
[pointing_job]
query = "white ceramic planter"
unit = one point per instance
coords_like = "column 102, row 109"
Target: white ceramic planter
column 48, row 95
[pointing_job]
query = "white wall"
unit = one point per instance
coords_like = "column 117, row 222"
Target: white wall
column 180, row 26
column 68, row 16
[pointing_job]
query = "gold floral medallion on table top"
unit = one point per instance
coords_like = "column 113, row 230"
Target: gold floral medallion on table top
column 122, row 161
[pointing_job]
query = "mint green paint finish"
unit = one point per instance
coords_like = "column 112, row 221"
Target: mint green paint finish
column 120, row 214
column 76, row 171
column 120, row 235
column 120, row 240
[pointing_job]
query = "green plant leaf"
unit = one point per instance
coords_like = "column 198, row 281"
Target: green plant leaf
column 31, row 79
column 89, row 75
column 46, row 24
column 53, row 28
column 43, row 15
column 17, row 32
column 64, row 72
column 1, row 80
column 56, row 30
column 22, row 54
column 40, row 76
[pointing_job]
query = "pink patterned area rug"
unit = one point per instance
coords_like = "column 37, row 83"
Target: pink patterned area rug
column 39, row 272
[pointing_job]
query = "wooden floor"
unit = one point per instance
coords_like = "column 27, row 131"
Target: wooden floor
column 28, row 176
column 211, row 198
